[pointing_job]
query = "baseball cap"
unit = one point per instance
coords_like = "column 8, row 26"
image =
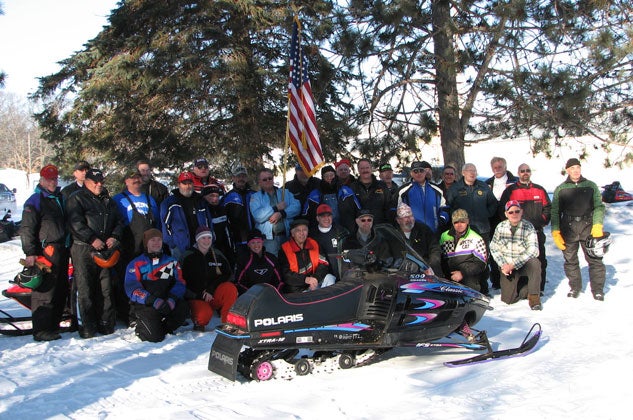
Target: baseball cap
column 95, row 175
column 385, row 167
column 298, row 222
column 132, row 174
column 512, row 203
column 365, row 212
column 185, row 176
column 49, row 172
column 460, row 215
column 82, row 165
column 420, row 165
column 239, row 170
column 323, row 209
column 201, row 161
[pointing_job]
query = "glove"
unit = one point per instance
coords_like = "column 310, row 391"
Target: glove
column 558, row 240
column 206, row 296
column 164, row 307
column 596, row 231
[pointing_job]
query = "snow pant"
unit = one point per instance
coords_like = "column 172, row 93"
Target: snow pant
column 49, row 300
column 575, row 233
column 152, row 326
column 92, row 287
column 540, row 236
column 515, row 286
column 274, row 245
column 224, row 297
column 483, row 281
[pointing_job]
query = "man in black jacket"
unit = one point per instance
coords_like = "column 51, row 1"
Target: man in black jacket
column 43, row 234
column 420, row 237
column 96, row 226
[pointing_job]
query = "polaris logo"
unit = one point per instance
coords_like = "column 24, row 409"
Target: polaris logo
column 285, row 319
column 227, row 360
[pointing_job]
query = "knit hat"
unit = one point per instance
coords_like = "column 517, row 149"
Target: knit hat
column 460, row 215
column 212, row 188
column 404, row 210
column 203, row 231
column 326, row 169
column 149, row 234
column 254, row 235
column 344, row 161
column 572, row 162
column 49, row 172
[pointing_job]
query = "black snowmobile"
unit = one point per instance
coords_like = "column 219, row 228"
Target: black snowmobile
column 371, row 310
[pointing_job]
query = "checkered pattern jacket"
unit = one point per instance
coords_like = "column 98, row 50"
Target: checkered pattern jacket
column 515, row 247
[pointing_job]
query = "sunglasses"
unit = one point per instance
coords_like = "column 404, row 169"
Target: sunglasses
column 525, row 171
column 266, row 179
column 366, row 220
column 417, row 171
column 202, row 166
column 513, row 211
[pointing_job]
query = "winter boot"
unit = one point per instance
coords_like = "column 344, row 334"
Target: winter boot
column 535, row 302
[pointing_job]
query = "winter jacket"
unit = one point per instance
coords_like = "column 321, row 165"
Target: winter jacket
column 577, row 199
column 466, row 254
column 375, row 197
column 156, row 190
column 301, row 191
column 427, row 203
column 514, row 246
column 534, row 201
column 298, row 263
column 511, row 179
column 177, row 233
column 93, row 217
column 252, row 269
column 477, row 200
column 424, row 241
column 237, row 205
column 331, row 243
column 262, row 210
column 43, row 221
column 149, row 278
column 342, row 199
column 204, row 272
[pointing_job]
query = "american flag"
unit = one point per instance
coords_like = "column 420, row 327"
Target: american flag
column 302, row 128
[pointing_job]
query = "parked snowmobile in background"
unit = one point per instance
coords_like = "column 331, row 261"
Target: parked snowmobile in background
column 8, row 228
column 370, row 311
column 614, row 193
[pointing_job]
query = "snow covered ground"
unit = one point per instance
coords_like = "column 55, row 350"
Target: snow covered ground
column 580, row 369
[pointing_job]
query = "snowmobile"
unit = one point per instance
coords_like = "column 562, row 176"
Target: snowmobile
column 371, row 310
column 614, row 193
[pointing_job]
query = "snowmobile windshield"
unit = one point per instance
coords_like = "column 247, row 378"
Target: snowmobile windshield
column 405, row 258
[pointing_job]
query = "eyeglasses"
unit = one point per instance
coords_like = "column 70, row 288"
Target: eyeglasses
column 525, row 171
column 266, row 179
column 367, row 220
column 417, row 171
column 513, row 211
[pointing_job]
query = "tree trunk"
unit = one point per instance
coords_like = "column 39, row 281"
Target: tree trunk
column 451, row 131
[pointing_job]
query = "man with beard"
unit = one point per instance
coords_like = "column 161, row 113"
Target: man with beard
column 420, row 237
column 43, row 234
column 237, row 205
column 149, row 185
column 96, row 225
column 181, row 214
column 341, row 199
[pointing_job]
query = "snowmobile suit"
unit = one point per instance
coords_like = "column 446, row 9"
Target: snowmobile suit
column 253, row 269
column 466, row 254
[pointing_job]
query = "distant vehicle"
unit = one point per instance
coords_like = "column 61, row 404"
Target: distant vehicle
column 614, row 193
column 6, row 194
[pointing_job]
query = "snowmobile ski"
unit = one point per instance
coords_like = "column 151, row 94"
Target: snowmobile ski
column 528, row 344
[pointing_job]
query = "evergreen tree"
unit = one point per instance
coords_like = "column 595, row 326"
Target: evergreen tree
column 172, row 80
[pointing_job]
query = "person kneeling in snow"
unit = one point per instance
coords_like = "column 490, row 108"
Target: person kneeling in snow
column 155, row 286
column 209, row 280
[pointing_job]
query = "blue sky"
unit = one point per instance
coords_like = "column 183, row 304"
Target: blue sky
column 36, row 34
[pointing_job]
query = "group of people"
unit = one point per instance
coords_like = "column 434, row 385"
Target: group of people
column 151, row 257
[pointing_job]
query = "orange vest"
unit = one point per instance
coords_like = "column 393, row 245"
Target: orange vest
column 290, row 248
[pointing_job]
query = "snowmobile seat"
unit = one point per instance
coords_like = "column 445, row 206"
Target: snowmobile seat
column 20, row 294
column 269, row 308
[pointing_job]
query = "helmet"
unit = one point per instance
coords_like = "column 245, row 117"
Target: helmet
column 106, row 258
column 597, row 247
column 30, row 277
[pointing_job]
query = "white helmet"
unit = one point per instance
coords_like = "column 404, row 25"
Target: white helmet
column 597, row 247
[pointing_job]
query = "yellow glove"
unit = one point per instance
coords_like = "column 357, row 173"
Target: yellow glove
column 558, row 240
column 596, row 231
